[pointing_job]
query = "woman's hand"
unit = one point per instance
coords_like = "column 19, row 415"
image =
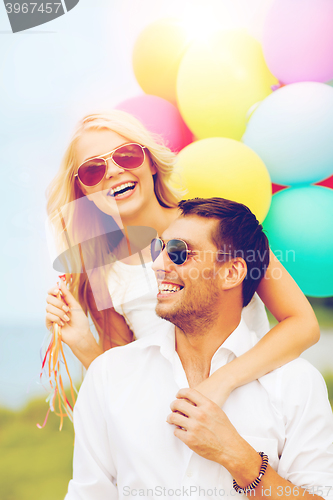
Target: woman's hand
column 75, row 330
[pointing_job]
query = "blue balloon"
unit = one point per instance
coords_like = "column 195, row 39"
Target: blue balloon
column 291, row 131
column 299, row 227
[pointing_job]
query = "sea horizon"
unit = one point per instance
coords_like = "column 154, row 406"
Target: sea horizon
column 20, row 362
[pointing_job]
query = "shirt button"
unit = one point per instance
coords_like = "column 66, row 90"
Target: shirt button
column 189, row 474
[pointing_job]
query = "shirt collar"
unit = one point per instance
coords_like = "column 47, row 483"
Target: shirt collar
column 238, row 342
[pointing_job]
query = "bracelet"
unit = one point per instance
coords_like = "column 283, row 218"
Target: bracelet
column 254, row 483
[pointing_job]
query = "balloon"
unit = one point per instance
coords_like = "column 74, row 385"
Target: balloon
column 219, row 81
column 327, row 182
column 291, row 131
column 277, row 187
column 160, row 117
column 299, row 229
column 226, row 168
column 298, row 40
column 156, row 57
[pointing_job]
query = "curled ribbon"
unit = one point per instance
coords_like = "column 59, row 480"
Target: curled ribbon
column 51, row 363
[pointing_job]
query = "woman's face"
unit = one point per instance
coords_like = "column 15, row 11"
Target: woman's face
column 136, row 196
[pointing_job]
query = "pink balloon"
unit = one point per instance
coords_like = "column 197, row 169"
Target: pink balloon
column 298, row 40
column 160, row 117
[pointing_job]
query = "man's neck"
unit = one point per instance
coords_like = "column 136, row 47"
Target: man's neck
column 196, row 349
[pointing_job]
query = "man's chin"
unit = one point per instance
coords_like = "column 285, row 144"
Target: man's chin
column 165, row 312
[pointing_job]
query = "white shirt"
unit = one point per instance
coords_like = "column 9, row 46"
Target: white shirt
column 124, row 447
column 133, row 290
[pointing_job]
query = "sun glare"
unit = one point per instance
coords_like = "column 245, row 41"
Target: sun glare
column 201, row 24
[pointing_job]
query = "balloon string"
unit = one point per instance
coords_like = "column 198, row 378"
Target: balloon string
column 57, row 399
column 70, row 379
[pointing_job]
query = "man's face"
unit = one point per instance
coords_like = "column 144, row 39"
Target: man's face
column 189, row 292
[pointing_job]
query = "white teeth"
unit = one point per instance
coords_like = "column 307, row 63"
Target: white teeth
column 122, row 186
column 166, row 287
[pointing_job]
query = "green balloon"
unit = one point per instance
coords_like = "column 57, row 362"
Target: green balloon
column 299, row 226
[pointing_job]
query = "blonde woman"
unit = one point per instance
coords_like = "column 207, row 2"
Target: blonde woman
column 116, row 175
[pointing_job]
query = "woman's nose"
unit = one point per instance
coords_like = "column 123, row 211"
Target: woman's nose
column 113, row 169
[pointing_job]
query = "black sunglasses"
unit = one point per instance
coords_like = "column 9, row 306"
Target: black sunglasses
column 177, row 250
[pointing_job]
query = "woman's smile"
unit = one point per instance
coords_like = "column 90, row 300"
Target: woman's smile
column 122, row 190
column 133, row 190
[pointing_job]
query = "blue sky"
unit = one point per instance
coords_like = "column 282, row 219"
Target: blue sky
column 48, row 80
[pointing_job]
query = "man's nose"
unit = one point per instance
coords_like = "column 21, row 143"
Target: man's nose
column 112, row 169
column 163, row 263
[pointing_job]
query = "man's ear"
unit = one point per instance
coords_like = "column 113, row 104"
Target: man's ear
column 234, row 272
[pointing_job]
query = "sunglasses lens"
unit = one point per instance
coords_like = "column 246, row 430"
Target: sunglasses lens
column 92, row 172
column 177, row 251
column 129, row 156
column 156, row 247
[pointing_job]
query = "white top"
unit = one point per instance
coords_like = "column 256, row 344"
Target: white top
column 134, row 291
column 124, row 446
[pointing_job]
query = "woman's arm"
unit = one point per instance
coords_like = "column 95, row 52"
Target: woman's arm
column 296, row 331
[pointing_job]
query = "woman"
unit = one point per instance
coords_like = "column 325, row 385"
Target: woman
column 114, row 176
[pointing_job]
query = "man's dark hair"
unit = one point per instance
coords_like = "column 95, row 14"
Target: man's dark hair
column 238, row 233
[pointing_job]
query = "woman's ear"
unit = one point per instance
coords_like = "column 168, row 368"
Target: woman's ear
column 152, row 164
column 153, row 168
column 235, row 271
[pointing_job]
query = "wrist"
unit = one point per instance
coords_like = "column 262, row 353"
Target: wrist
column 87, row 349
column 231, row 377
column 244, row 465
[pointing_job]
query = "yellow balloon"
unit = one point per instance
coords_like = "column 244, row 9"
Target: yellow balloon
column 219, row 81
column 228, row 169
column 156, row 57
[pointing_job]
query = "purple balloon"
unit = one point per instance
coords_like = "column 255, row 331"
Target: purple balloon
column 160, row 117
column 298, row 40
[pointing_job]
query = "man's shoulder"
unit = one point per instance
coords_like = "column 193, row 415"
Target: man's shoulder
column 127, row 356
column 294, row 384
column 295, row 371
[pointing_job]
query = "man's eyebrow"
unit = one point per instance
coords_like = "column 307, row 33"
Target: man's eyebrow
column 189, row 243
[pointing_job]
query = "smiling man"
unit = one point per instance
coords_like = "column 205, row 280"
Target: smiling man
column 272, row 437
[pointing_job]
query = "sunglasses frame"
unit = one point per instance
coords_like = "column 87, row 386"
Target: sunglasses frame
column 109, row 156
column 165, row 245
column 188, row 252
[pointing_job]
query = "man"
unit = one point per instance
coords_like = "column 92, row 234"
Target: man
column 125, row 447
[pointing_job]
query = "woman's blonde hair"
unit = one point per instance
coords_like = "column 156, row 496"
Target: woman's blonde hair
column 75, row 219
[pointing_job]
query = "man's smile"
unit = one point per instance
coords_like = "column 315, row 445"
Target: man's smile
column 167, row 288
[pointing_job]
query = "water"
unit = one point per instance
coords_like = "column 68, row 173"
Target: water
column 20, row 362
